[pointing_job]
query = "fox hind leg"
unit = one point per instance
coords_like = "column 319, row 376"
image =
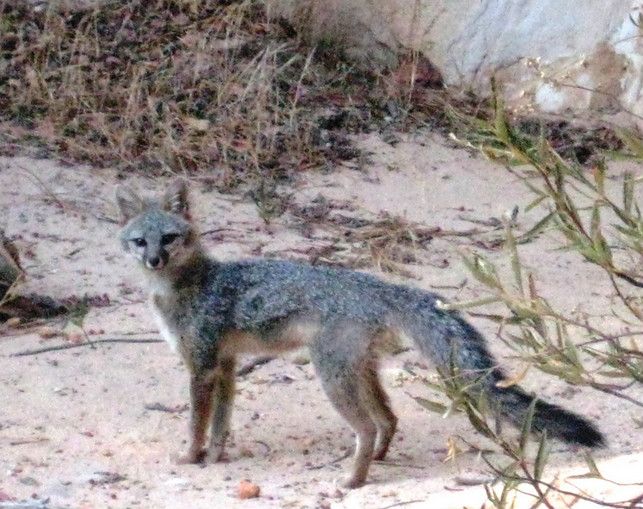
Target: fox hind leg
column 342, row 375
column 379, row 407
column 345, row 399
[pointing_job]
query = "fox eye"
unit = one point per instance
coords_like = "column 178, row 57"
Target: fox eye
column 139, row 242
column 168, row 238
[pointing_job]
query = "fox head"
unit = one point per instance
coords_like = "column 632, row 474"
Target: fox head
column 157, row 232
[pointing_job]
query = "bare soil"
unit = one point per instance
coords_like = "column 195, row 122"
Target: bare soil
column 101, row 426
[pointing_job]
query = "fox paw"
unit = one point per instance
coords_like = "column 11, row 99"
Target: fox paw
column 216, row 456
column 352, row 482
column 192, row 457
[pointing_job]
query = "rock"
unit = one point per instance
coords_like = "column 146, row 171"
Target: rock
column 14, row 321
column 10, row 270
column 48, row 332
column 74, row 334
column 246, row 489
column 589, row 60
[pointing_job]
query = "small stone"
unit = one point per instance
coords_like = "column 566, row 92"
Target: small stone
column 74, row 336
column 29, row 481
column 13, row 321
column 246, row 489
column 301, row 359
column 47, row 332
column 246, row 453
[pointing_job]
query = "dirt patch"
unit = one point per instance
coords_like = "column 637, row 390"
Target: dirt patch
column 101, row 426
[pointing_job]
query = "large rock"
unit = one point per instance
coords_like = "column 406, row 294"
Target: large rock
column 557, row 56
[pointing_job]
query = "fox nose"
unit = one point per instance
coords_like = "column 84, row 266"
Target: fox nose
column 154, row 263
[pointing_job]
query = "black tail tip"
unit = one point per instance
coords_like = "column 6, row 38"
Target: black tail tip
column 578, row 430
column 567, row 426
column 586, row 434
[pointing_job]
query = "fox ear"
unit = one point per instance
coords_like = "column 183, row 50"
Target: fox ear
column 129, row 203
column 176, row 200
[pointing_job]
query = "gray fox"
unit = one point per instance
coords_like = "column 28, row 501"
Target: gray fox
column 211, row 311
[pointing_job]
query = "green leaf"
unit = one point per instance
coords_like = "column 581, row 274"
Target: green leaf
column 599, row 171
column 593, row 472
column 500, row 122
column 482, row 270
column 571, row 353
column 525, row 431
column 537, row 201
column 78, row 313
column 432, row 406
column 591, row 464
column 595, row 225
column 632, row 141
column 628, row 193
column 477, row 422
column 468, row 304
column 510, row 243
column 541, row 456
column 536, row 229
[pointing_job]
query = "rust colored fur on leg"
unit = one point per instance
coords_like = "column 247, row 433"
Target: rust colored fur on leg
column 223, row 396
column 201, row 387
column 379, row 407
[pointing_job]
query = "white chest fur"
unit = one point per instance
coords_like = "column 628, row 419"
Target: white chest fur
column 170, row 336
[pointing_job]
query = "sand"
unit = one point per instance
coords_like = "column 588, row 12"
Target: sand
column 79, row 428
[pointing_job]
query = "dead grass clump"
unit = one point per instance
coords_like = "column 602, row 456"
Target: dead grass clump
column 173, row 85
column 187, row 86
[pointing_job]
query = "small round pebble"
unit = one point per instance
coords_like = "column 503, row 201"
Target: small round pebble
column 246, row 489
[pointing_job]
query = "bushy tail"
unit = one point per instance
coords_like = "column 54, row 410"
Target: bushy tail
column 449, row 341
column 513, row 403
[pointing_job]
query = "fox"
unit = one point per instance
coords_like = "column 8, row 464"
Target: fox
column 212, row 311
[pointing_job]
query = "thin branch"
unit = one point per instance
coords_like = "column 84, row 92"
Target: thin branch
column 624, row 299
column 407, row 502
column 37, row 351
column 253, row 364
column 625, row 504
column 617, row 394
column 347, row 454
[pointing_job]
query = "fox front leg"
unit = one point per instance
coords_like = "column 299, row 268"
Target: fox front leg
column 201, row 387
column 223, row 398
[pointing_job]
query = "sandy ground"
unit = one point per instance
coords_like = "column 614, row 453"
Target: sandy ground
column 76, row 428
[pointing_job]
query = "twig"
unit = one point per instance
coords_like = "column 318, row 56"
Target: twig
column 625, row 504
column 617, row 394
column 331, row 462
column 264, row 444
column 407, row 502
column 474, row 481
column 87, row 343
column 624, row 299
column 160, row 407
column 214, row 230
column 136, row 333
column 389, row 463
column 27, row 441
column 537, row 483
column 253, row 364
column 28, row 504
column 44, row 187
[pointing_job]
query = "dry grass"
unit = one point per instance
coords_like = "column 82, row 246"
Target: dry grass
column 198, row 87
column 174, row 86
